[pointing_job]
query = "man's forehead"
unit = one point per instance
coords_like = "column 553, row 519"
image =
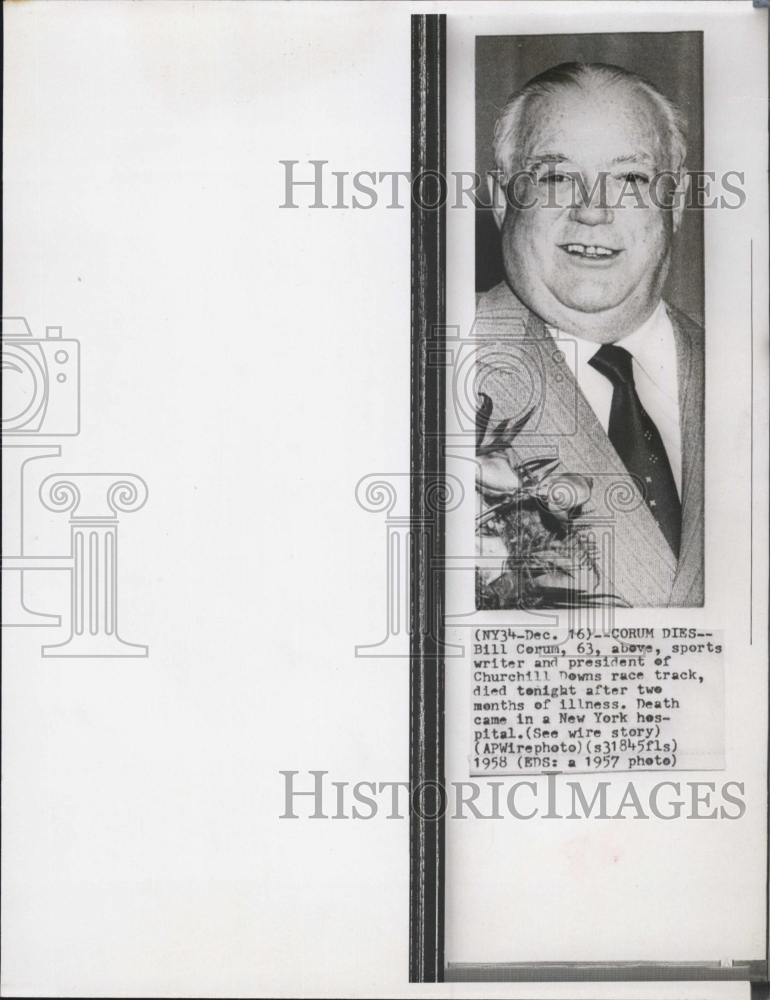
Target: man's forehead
column 604, row 123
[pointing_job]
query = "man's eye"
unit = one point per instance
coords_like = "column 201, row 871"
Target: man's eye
column 555, row 178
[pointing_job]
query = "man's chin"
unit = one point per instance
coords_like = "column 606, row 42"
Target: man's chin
column 591, row 301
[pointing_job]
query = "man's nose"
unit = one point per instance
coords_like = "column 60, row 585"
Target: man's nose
column 591, row 215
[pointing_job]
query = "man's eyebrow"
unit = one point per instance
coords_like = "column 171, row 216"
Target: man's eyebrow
column 632, row 158
column 545, row 158
column 533, row 161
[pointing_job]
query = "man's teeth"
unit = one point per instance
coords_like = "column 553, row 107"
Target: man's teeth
column 589, row 251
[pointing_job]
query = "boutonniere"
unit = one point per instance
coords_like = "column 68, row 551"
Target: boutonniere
column 531, row 526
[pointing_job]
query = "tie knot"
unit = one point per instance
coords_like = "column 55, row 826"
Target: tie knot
column 615, row 363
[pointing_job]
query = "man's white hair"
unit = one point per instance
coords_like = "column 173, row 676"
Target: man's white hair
column 575, row 74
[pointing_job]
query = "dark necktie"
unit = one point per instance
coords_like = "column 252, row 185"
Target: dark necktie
column 638, row 442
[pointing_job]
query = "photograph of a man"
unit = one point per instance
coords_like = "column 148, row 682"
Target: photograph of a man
column 591, row 490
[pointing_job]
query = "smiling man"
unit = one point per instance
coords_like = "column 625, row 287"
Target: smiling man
column 589, row 194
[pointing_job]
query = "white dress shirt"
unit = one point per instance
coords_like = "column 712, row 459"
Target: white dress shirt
column 653, row 349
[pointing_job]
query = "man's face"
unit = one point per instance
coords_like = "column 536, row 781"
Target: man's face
column 596, row 272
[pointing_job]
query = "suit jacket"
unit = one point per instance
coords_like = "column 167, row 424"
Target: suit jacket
column 520, row 366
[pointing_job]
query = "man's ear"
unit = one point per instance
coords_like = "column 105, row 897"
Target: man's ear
column 497, row 194
column 680, row 198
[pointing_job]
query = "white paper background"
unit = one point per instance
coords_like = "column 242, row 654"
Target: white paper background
column 251, row 364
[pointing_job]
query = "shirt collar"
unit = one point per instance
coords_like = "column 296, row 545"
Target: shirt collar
column 651, row 345
column 654, row 349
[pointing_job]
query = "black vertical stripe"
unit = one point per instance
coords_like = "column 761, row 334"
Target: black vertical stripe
column 427, row 473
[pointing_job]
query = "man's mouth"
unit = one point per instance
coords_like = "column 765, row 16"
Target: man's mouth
column 590, row 252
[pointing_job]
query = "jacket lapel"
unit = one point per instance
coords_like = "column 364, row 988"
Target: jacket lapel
column 690, row 353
